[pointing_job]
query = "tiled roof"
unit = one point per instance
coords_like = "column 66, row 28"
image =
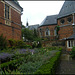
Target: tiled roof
column 49, row 20
column 68, row 8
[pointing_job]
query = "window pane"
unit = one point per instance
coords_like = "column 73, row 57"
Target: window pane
column 69, row 43
column 6, row 11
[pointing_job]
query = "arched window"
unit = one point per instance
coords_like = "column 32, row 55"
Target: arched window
column 55, row 31
column 47, row 32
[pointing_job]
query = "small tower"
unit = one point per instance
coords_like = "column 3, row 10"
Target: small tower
column 27, row 24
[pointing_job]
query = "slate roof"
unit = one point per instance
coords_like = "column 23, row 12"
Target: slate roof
column 18, row 4
column 33, row 27
column 71, row 37
column 49, row 20
column 68, row 8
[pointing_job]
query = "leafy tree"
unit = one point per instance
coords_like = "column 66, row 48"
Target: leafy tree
column 30, row 35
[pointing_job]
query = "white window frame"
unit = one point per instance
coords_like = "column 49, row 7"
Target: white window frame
column 70, row 43
column 48, row 32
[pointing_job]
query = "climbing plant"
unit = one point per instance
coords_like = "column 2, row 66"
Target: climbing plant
column 57, row 29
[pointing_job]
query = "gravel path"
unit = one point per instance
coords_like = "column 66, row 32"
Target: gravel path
column 67, row 65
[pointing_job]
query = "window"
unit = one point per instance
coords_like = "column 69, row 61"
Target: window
column 55, row 31
column 41, row 32
column 7, row 14
column 69, row 19
column 70, row 43
column 47, row 32
column 6, row 11
column 62, row 21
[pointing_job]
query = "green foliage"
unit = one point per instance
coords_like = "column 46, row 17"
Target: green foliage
column 3, row 42
column 12, row 42
column 30, row 35
column 29, row 67
column 73, row 52
column 18, row 44
column 49, row 67
column 12, row 65
column 58, row 28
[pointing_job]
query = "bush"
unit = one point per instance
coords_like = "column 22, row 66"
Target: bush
column 18, row 44
column 3, row 42
column 73, row 52
column 12, row 42
column 50, row 66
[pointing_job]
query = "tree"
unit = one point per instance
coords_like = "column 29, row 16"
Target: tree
column 30, row 35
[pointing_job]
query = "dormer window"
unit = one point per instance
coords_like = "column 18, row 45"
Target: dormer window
column 69, row 19
column 62, row 21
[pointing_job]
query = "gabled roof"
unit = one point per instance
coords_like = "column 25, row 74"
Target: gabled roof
column 33, row 27
column 68, row 8
column 49, row 20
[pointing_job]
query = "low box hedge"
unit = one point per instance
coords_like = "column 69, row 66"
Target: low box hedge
column 49, row 67
column 13, row 64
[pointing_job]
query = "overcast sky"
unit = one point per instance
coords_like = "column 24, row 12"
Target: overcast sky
column 36, row 11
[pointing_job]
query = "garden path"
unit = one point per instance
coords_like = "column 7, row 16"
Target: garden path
column 67, row 64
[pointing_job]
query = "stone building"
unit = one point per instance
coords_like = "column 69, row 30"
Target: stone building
column 10, row 19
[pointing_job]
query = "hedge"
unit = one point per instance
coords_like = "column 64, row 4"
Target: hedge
column 13, row 64
column 50, row 66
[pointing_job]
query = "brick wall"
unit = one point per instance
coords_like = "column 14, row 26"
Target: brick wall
column 14, row 30
column 67, row 30
column 51, row 28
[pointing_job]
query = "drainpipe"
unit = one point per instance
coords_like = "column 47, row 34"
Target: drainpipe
column 73, row 25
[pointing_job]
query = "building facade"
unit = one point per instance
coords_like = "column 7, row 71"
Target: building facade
column 47, row 28
column 66, row 22
column 10, row 19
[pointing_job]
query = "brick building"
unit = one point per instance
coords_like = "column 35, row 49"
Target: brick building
column 66, row 22
column 10, row 19
column 47, row 27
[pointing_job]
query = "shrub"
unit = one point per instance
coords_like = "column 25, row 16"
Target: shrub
column 73, row 52
column 39, row 44
column 20, row 44
column 50, row 66
column 29, row 67
column 3, row 42
column 12, row 42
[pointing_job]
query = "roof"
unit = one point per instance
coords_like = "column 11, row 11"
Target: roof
column 16, row 2
column 33, row 27
column 68, row 8
column 71, row 37
column 49, row 20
